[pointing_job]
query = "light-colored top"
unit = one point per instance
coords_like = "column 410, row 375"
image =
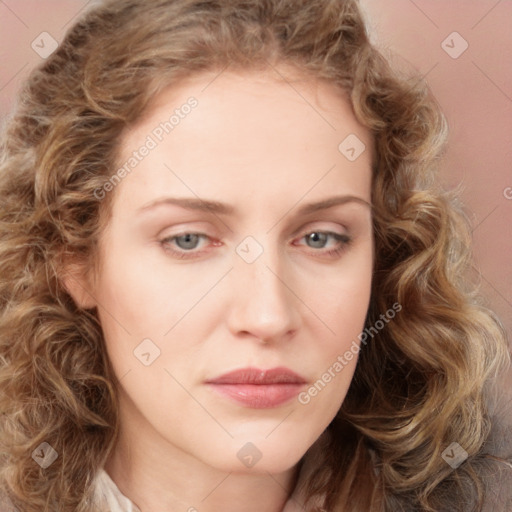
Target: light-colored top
column 108, row 497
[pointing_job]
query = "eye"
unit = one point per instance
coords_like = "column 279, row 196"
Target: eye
column 183, row 245
column 320, row 239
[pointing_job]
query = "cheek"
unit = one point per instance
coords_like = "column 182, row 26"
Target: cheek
column 342, row 308
column 342, row 301
column 153, row 294
column 136, row 297
column 145, row 315
column 129, row 311
column 335, row 356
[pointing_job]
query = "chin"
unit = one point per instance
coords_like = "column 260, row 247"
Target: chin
column 260, row 456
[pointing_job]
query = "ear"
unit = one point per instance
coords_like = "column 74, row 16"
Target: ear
column 75, row 277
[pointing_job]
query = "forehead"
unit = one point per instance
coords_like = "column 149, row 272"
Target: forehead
column 250, row 130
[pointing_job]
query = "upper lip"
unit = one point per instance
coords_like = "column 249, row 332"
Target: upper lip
column 280, row 375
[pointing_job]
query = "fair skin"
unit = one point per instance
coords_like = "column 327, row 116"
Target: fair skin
column 258, row 146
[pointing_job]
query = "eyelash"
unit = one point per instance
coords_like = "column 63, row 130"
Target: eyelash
column 344, row 241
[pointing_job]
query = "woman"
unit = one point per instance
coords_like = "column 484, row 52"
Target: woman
column 230, row 281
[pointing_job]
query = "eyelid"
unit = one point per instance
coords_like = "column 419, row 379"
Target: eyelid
column 323, row 227
column 297, row 233
column 322, row 231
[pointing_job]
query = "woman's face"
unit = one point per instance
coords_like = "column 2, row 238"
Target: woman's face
column 240, row 238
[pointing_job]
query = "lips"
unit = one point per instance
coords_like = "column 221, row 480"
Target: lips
column 257, row 388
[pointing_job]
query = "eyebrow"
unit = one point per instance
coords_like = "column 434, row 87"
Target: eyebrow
column 217, row 207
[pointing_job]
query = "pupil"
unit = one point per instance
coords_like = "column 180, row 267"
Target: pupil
column 190, row 240
column 318, row 239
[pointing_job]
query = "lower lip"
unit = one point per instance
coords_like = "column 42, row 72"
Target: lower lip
column 259, row 396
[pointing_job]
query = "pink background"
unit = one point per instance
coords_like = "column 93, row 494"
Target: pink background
column 474, row 90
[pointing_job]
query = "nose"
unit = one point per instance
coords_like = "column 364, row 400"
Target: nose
column 262, row 302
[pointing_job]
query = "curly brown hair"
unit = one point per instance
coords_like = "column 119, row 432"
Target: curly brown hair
column 419, row 386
